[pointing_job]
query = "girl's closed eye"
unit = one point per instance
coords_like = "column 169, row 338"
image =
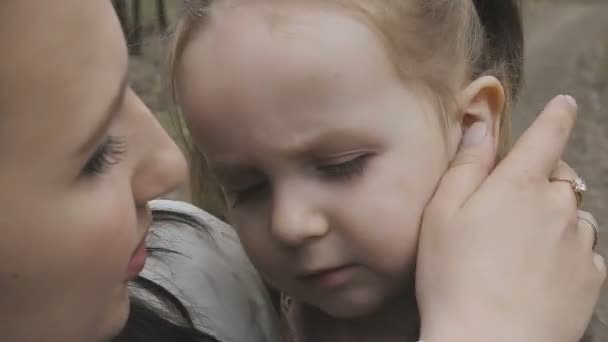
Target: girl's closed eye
column 107, row 154
column 345, row 169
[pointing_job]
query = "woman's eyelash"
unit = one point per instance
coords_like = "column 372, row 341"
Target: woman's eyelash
column 106, row 155
column 345, row 170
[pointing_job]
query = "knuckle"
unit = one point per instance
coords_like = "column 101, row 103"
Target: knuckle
column 563, row 200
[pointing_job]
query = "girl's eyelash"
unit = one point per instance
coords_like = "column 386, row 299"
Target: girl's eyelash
column 106, row 155
column 345, row 170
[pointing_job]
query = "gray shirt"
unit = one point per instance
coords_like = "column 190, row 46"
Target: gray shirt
column 210, row 274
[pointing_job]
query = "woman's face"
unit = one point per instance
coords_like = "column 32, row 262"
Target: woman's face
column 327, row 159
column 80, row 156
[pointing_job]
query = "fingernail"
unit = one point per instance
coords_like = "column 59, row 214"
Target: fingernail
column 475, row 134
column 570, row 100
column 559, row 101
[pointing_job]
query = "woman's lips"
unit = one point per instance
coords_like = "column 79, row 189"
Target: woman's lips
column 138, row 260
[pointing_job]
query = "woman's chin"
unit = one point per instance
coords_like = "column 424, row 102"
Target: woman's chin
column 117, row 318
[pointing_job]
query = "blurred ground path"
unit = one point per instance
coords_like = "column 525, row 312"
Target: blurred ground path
column 567, row 53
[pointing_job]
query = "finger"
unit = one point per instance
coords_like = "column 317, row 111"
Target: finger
column 587, row 229
column 563, row 170
column 561, row 178
column 541, row 146
column 472, row 164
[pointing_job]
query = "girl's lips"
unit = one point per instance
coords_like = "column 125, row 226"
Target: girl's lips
column 330, row 278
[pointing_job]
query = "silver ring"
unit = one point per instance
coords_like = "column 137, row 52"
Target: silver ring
column 596, row 231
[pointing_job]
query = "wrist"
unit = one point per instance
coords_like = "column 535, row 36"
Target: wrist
column 460, row 330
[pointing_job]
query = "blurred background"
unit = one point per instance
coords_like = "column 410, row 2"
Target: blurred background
column 566, row 53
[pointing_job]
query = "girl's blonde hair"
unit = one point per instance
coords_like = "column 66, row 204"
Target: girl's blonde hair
column 438, row 44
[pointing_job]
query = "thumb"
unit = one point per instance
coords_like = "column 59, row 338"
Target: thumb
column 469, row 168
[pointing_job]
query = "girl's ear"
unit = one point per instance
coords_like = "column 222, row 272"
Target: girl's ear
column 481, row 105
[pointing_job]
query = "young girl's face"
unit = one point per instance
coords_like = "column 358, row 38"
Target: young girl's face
column 80, row 156
column 326, row 157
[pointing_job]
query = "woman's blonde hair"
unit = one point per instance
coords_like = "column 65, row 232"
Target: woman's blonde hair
column 438, row 44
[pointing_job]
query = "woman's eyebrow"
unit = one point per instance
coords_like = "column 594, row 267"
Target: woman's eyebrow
column 108, row 115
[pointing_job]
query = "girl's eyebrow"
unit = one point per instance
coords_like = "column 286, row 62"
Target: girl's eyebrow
column 324, row 142
column 108, row 115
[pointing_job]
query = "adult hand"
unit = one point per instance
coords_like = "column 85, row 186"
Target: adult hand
column 502, row 256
